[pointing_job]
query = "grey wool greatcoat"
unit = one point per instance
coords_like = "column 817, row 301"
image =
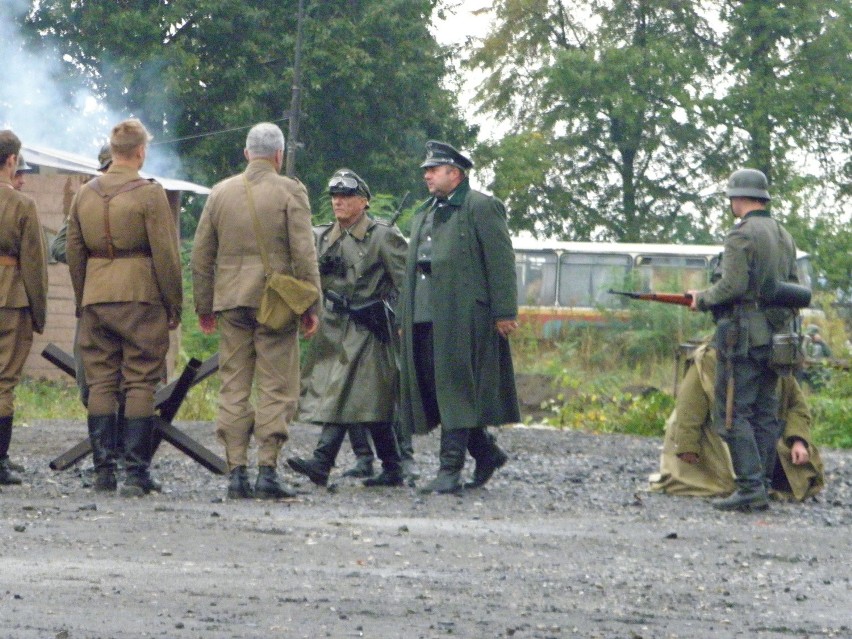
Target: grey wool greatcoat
column 351, row 376
column 473, row 286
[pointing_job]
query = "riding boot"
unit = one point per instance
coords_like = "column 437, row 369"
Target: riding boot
column 103, row 436
column 136, row 435
column 406, row 451
column 482, row 446
column 6, row 476
column 151, row 485
column 453, row 449
column 318, row 467
column 363, row 452
column 385, row 440
column 751, row 490
column 267, row 485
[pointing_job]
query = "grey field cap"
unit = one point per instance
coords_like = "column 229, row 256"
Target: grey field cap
column 748, row 183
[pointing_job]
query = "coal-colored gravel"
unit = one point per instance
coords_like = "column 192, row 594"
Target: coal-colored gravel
column 564, row 542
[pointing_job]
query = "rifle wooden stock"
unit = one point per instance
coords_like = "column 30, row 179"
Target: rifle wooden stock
column 679, row 299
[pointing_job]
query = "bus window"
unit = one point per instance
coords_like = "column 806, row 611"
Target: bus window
column 584, row 279
column 673, row 273
column 536, row 273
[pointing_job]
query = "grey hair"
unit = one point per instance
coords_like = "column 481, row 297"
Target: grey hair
column 264, row 140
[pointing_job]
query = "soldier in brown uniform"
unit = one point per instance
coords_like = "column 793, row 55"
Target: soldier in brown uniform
column 23, row 289
column 123, row 256
column 21, row 172
column 228, row 281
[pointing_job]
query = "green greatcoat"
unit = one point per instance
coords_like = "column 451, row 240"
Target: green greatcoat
column 473, row 286
column 350, row 376
column 689, row 430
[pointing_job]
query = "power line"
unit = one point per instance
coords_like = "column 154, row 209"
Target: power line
column 211, row 133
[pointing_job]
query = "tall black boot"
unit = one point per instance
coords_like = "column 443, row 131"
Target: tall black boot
column 319, row 466
column 136, row 435
column 748, row 468
column 453, row 449
column 6, row 476
column 385, row 440
column 406, row 450
column 103, row 435
column 360, row 441
column 483, row 447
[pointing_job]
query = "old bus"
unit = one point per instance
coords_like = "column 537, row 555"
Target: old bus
column 563, row 283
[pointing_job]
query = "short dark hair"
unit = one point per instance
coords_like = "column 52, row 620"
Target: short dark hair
column 10, row 144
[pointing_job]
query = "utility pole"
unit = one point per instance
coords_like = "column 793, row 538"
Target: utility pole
column 296, row 100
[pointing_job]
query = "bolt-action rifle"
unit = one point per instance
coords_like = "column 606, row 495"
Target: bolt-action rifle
column 680, row 299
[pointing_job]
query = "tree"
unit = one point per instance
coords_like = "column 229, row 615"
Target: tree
column 606, row 106
column 788, row 65
column 372, row 78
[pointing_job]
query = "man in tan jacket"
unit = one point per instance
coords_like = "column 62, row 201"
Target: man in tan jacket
column 122, row 252
column 228, row 281
column 23, row 289
column 695, row 460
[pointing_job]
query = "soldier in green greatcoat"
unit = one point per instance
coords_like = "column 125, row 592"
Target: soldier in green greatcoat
column 350, row 376
column 758, row 255
column 459, row 305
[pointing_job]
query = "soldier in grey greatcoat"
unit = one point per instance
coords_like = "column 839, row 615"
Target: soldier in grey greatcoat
column 758, row 254
column 23, row 289
column 122, row 251
column 458, row 308
column 228, row 280
column 351, row 374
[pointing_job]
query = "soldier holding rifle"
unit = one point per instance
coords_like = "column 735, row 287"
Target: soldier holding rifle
column 351, row 376
column 758, row 254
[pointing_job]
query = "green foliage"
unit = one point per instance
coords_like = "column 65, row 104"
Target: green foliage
column 373, row 79
column 41, row 399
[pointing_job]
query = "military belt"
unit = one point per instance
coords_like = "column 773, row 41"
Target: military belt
column 8, row 260
column 120, row 253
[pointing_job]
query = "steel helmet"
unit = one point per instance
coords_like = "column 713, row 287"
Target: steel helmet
column 748, row 183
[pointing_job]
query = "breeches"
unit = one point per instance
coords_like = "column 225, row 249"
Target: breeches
column 123, row 346
column 16, row 340
column 424, row 366
column 252, row 353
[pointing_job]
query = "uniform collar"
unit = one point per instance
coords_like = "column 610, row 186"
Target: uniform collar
column 358, row 230
column 116, row 169
column 757, row 213
column 259, row 166
column 5, row 181
column 456, row 198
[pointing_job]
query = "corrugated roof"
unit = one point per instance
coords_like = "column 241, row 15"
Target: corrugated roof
column 64, row 161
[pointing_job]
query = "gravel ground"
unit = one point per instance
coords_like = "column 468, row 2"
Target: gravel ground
column 564, row 542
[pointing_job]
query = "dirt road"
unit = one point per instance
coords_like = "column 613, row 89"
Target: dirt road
column 564, row 542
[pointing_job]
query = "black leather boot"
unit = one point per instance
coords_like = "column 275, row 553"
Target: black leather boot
column 750, row 494
column 319, row 466
column 6, row 476
column 136, row 435
column 360, row 442
column 482, row 446
column 453, row 449
column 267, row 485
column 384, row 438
column 239, row 486
column 103, row 437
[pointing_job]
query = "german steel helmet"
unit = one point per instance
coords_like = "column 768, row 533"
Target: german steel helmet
column 748, row 183
column 104, row 157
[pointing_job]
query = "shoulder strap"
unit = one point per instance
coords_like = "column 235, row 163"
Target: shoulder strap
column 258, row 235
column 97, row 188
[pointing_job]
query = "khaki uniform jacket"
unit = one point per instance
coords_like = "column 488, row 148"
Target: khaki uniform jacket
column 758, row 253
column 473, row 285
column 350, row 376
column 227, row 269
column 24, row 285
column 139, row 220
column 689, row 429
